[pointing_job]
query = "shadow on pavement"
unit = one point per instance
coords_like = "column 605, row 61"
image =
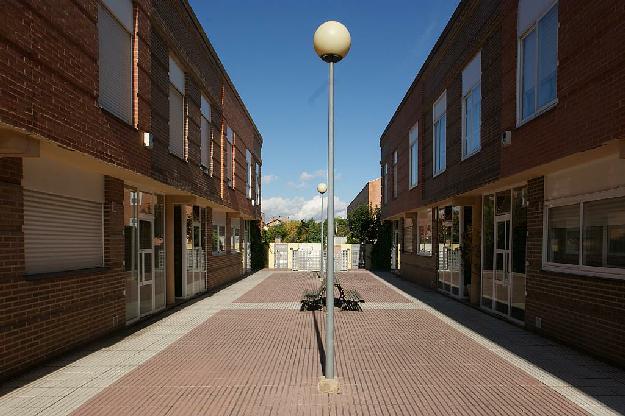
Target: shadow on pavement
column 603, row 382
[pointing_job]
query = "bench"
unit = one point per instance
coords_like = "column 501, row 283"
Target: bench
column 351, row 301
column 314, row 300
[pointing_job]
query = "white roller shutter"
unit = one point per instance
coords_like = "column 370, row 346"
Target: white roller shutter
column 176, row 122
column 61, row 233
column 115, row 62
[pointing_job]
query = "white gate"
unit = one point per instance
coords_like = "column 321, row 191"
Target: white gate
column 282, row 256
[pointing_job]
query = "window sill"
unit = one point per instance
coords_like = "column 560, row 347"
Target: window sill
column 538, row 113
column 68, row 273
column 586, row 271
column 435, row 174
column 470, row 155
column 411, row 187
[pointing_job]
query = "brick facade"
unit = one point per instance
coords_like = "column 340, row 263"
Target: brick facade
column 586, row 124
column 49, row 91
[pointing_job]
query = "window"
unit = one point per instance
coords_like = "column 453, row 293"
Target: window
column 205, row 133
column 596, row 227
column 395, row 174
column 408, row 245
column 258, row 178
column 219, row 239
column 471, row 106
column 424, row 232
column 229, row 157
column 385, row 174
column 115, row 29
column 248, row 174
column 176, row 109
column 440, row 134
column 413, row 140
column 235, row 235
column 538, row 41
column 219, row 232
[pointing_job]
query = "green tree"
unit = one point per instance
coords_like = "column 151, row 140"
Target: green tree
column 364, row 225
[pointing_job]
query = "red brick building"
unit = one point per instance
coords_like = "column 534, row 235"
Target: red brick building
column 129, row 170
column 503, row 168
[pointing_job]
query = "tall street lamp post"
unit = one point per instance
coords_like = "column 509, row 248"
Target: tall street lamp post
column 332, row 42
column 322, row 188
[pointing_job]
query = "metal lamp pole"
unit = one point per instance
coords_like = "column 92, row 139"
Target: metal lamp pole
column 322, row 188
column 332, row 42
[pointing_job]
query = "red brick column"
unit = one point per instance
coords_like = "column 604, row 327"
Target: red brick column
column 11, row 221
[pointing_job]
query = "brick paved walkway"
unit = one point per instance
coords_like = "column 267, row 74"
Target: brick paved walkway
column 249, row 351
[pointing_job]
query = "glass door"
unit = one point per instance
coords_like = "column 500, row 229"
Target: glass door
column 501, row 279
column 131, row 290
column 146, row 263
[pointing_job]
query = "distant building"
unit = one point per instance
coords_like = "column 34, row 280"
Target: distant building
column 369, row 195
column 276, row 221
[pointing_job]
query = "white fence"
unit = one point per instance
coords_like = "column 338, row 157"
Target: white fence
column 307, row 256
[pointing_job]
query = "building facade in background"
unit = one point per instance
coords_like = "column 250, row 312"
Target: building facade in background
column 503, row 168
column 369, row 195
column 129, row 170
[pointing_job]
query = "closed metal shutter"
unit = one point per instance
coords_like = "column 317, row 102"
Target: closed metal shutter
column 115, row 61
column 176, row 122
column 61, row 233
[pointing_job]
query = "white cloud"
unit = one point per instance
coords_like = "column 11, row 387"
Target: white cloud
column 306, row 176
column 299, row 208
column 268, row 178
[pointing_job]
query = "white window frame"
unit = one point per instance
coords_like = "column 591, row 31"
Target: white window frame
column 470, row 92
column 439, row 118
column 431, row 223
column 579, row 269
column 258, row 184
column 519, row 86
column 248, row 174
column 205, row 148
column 234, row 245
column 413, row 157
column 395, row 188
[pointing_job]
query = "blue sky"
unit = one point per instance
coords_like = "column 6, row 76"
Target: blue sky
column 266, row 47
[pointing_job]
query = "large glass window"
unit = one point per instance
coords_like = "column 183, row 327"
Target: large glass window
column 229, row 157
column 424, row 233
column 440, row 134
column 563, row 234
column 539, row 54
column 205, row 145
column 471, row 106
column 248, row 174
column 488, row 249
column 604, row 233
column 413, row 140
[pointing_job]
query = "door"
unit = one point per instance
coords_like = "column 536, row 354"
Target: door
column 146, row 265
column 281, row 256
column 501, row 281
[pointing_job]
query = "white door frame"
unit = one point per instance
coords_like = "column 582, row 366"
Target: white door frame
column 141, row 269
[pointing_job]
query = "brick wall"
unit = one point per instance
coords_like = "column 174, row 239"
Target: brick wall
column 49, row 62
column 586, row 312
column 590, row 85
column 476, row 28
column 43, row 316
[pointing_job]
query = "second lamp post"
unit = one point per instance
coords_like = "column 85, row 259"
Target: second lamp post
column 332, row 42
